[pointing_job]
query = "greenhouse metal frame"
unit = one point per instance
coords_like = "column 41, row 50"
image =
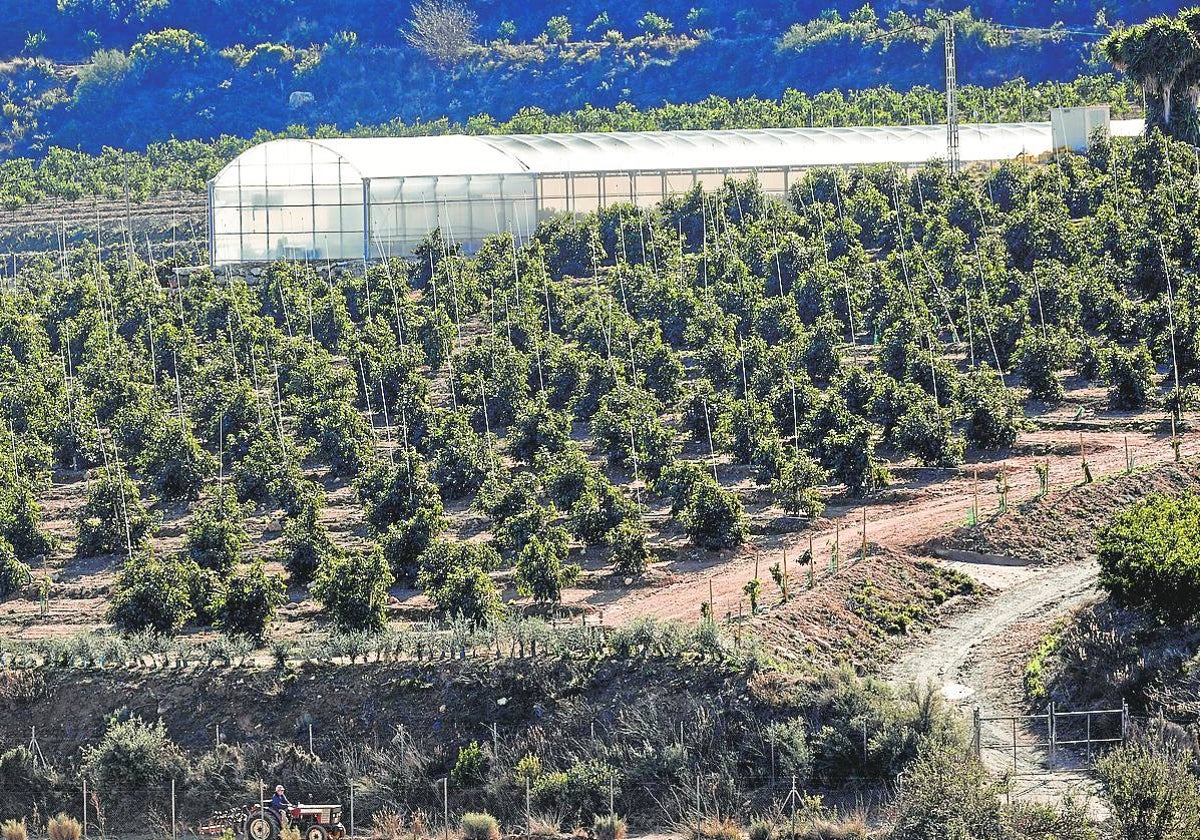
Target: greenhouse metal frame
column 372, row 198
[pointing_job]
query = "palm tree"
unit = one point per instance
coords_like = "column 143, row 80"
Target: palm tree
column 1163, row 56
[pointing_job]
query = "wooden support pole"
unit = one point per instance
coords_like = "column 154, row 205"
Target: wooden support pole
column 864, row 536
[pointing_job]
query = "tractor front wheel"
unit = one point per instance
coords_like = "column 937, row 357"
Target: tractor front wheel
column 260, row 827
column 316, row 832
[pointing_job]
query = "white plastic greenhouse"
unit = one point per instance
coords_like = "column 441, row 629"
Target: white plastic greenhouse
column 369, row 198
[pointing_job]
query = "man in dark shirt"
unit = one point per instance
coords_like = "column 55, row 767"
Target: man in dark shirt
column 280, row 805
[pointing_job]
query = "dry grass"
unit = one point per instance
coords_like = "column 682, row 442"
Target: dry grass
column 851, row 828
column 545, row 824
column 478, row 826
column 710, row 828
column 609, row 827
column 387, row 825
column 14, row 830
column 63, row 827
column 289, row 832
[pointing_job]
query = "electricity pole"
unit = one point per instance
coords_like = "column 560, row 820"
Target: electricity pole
column 953, row 159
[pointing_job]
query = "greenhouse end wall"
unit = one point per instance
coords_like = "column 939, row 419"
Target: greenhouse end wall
column 285, row 200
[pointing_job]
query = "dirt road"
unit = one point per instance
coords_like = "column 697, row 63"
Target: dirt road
column 926, row 505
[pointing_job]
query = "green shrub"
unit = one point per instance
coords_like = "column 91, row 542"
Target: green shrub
column 599, row 509
column 714, row 517
column 629, row 555
column 478, row 826
column 404, row 543
column 1151, row 792
column 993, row 416
column 793, row 755
column 1068, row 819
column 567, row 476
column 175, row 464
column 1130, row 375
column 266, row 465
column 112, row 518
column 460, row 456
column 504, row 494
column 392, row 491
column 850, row 458
column 306, row 545
column 468, row 593
column 1039, row 359
column 133, row 756
column 947, row 794
column 14, row 575
column 470, row 768
column 215, row 539
column 583, row 788
column 541, row 568
column 251, row 598
column 1150, row 557
column 797, row 486
column 354, row 589
column 514, row 532
column 19, row 523
column 924, row 431
column 152, row 593
column 539, row 429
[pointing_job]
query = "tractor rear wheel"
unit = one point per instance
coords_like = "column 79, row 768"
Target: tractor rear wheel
column 260, row 827
column 316, row 832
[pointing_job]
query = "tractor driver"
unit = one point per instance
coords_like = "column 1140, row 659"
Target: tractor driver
column 280, row 805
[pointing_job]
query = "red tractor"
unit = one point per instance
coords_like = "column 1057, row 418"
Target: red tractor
column 314, row 822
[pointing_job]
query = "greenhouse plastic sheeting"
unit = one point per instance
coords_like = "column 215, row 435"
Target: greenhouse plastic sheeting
column 367, row 198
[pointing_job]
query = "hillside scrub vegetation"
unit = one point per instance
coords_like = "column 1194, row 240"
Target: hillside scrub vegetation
column 832, row 734
column 121, row 169
column 87, row 75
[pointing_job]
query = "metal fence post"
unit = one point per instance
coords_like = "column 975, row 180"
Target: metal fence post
column 1014, row 743
column 792, row 797
column 352, row 808
column 85, row 808
column 1089, row 737
column 174, row 823
column 978, row 728
column 612, row 799
column 1050, row 727
column 446, row 807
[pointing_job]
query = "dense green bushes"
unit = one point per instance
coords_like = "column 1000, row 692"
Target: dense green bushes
column 1150, row 557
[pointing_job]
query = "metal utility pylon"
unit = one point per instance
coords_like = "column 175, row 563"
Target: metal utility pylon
column 953, row 159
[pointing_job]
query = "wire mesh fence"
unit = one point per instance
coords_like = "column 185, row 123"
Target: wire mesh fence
column 688, row 806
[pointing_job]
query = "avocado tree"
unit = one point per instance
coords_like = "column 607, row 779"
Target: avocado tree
column 113, row 519
column 251, row 598
column 353, row 588
column 152, row 592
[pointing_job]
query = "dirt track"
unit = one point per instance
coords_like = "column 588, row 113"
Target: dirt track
column 918, row 510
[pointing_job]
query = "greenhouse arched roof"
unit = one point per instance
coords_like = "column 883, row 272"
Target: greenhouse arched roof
column 450, row 155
